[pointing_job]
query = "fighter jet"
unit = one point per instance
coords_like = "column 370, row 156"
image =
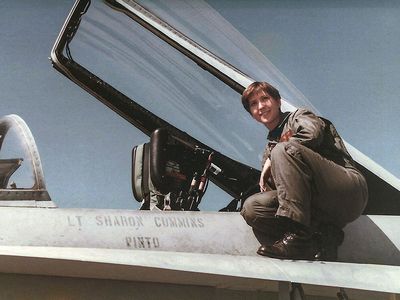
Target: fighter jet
column 179, row 250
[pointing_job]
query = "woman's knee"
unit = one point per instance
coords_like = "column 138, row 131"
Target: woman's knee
column 260, row 205
column 248, row 210
column 283, row 149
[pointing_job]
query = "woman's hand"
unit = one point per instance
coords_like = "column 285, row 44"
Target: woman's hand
column 265, row 175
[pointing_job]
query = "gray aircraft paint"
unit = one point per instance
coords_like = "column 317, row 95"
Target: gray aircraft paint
column 179, row 236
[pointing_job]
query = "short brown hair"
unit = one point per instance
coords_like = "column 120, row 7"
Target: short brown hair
column 254, row 88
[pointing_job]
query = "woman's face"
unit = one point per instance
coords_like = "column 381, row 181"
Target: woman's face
column 265, row 109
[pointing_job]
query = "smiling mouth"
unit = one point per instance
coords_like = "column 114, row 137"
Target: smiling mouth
column 263, row 113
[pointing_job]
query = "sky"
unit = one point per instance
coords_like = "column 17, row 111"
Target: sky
column 342, row 55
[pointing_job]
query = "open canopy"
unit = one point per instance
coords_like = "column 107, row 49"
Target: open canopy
column 142, row 75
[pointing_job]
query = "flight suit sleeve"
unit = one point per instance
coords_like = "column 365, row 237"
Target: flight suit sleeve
column 307, row 129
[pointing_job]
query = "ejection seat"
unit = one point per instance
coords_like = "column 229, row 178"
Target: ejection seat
column 168, row 174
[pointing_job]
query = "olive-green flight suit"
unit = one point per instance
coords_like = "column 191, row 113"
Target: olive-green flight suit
column 315, row 177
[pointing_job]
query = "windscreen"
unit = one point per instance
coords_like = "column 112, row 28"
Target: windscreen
column 14, row 148
column 19, row 158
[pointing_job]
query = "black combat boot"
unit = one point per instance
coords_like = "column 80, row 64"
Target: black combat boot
column 297, row 243
column 330, row 238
